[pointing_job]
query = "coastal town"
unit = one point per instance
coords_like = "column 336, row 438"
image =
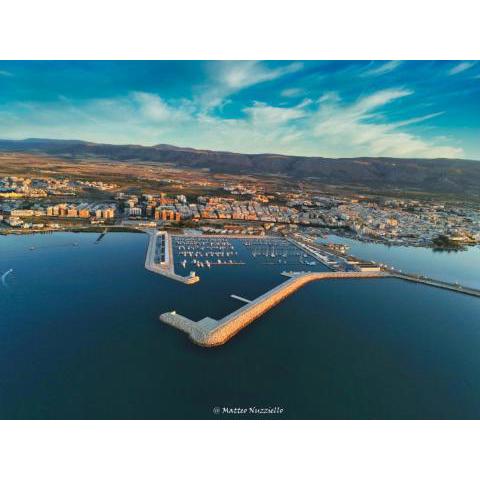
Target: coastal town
column 32, row 204
column 285, row 228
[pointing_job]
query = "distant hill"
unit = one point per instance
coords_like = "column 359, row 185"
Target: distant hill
column 429, row 175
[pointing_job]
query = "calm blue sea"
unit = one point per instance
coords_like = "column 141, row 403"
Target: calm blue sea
column 80, row 338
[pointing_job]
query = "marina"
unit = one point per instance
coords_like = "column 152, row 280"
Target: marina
column 189, row 253
column 204, row 251
column 275, row 250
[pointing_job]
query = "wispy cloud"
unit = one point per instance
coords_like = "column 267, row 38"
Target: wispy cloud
column 239, row 75
column 413, row 120
column 155, row 109
column 386, row 67
column 378, row 99
column 292, row 92
column 460, row 67
column 5, row 73
column 266, row 115
column 227, row 78
column 349, row 129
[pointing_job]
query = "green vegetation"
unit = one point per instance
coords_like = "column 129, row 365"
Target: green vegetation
column 443, row 242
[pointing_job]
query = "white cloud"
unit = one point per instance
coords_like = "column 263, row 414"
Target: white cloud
column 328, row 97
column 263, row 114
column 154, row 108
column 461, row 67
column 292, row 92
column 238, row 75
column 348, row 130
column 227, row 78
column 378, row 99
column 413, row 120
column 386, row 67
column 5, row 73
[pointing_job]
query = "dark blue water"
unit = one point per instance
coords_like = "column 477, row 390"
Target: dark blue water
column 80, row 338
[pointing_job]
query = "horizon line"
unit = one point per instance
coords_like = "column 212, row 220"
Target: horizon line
column 26, row 139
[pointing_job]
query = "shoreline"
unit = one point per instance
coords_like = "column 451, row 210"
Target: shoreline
column 126, row 229
column 96, row 229
column 429, row 246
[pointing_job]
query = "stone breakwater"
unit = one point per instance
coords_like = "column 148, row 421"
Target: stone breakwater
column 211, row 333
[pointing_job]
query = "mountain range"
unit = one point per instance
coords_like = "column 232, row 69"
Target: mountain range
column 439, row 175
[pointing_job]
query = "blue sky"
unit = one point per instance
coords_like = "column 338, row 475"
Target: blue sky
column 322, row 108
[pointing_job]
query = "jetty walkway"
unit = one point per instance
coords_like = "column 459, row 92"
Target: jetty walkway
column 211, row 333
column 435, row 283
column 159, row 258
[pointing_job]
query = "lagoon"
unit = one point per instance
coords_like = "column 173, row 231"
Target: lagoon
column 451, row 266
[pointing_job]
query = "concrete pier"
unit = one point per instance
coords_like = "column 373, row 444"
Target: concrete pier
column 236, row 297
column 410, row 277
column 311, row 252
column 211, row 333
column 165, row 265
column 436, row 283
